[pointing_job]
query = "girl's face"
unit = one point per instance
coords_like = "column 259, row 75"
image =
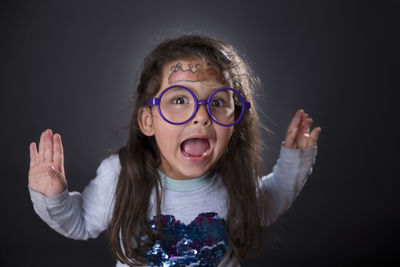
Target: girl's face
column 188, row 150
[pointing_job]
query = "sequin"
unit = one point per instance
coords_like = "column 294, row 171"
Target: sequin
column 203, row 242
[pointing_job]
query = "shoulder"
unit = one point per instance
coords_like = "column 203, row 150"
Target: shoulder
column 106, row 177
column 217, row 183
column 110, row 166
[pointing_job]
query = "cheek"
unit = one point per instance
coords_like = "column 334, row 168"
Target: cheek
column 225, row 134
column 228, row 131
column 166, row 135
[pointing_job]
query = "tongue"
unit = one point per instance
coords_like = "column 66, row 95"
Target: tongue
column 195, row 147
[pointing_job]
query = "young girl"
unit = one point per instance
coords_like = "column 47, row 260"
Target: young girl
column 186, row 188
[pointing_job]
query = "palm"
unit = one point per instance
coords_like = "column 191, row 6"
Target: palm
column 298, row 134
column 41, row 178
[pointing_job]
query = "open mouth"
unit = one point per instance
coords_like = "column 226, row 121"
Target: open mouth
column 195, row 147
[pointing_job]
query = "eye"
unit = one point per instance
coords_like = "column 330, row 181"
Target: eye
column 217, row 103
column 179, row 100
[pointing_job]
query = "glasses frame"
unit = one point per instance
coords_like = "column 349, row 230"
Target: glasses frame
column 155, row 101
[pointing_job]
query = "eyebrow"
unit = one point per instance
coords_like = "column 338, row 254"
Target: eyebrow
column 195, row 91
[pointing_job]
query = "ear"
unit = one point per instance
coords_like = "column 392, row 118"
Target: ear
column 145, row 121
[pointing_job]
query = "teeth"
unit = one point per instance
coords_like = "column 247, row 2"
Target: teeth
column 187, row 154
column 206, row 152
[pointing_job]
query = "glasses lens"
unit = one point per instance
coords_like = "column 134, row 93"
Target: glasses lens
column 177, row 105
column 225, row 106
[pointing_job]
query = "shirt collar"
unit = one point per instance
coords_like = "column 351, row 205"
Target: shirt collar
column 185, row 185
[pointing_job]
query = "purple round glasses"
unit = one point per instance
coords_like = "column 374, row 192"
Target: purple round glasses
column 175, row 102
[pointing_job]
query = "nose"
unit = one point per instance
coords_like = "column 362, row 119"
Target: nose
column 202, row 117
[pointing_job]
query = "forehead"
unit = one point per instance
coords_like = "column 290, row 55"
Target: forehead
column 191, row 71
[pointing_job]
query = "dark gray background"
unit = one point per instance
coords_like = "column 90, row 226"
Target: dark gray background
column 73, row 65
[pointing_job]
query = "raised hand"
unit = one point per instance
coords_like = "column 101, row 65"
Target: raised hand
column 298, row 135
column 46, row 171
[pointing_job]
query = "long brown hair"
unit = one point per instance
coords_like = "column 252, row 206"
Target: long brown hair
column 140, row 159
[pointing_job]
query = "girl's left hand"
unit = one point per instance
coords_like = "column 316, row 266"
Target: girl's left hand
column 298, row 135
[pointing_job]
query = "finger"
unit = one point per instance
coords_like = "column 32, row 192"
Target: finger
column 33, row 154
column 305, row 125
column 41, row 145
column 290, row 139
column 58, row 152
column 297, row 118
column 315, row 135
column 303, row 136
column 53, row 173
column 48, row 146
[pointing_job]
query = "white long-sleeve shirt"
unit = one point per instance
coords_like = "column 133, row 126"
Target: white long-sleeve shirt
column 193, row 212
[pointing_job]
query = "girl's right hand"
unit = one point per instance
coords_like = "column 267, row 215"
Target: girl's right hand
column 46, row 171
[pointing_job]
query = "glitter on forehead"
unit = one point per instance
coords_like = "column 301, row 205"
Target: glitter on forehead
column 203, row 242
column 193, row 72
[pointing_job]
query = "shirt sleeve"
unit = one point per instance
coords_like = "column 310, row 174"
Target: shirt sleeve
column 86, row 215
column 283, row 185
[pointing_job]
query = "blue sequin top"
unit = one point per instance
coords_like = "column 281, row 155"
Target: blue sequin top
column 202, row 242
